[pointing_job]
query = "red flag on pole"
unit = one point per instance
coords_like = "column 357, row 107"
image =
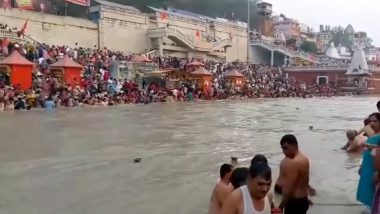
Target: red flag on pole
column 164, row 15
column 198, row 34
column 23, row 29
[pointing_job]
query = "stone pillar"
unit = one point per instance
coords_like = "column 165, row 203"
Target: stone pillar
column 285, row 60
column 160, row 48
column 100, row 35
column 272, row 58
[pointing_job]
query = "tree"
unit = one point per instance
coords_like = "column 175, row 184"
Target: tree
column 308, row 46
column 338, row 37
column 368, row 43
column 291, row 42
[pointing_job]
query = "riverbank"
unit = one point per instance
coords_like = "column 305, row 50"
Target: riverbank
column 170, row 100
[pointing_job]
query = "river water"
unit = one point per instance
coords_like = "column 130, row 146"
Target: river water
column 80, row 161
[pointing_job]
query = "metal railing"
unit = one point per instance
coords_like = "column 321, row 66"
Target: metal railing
column 316, row 67
column 8, row 34
column 283, row 49
column 156, row 30
column 372, row 68
column 181, row 35
column 227, row 41
column 209, row 35
column 13, row 35
column 30, row 39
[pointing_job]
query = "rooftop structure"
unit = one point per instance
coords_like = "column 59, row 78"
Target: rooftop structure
column 264, row 8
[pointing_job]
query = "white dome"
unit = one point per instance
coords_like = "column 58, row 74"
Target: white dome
column 358, row 63
column 343, row 51
column 332, row 52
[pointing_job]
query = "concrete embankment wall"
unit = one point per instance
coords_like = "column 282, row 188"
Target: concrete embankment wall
column 53, row 30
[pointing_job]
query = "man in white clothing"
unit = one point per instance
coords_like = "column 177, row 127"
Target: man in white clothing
column 252, row 198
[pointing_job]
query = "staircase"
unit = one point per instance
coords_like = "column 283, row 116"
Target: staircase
column 173, row 34
column 281, row 49
column 221, row 43
column 15, row 38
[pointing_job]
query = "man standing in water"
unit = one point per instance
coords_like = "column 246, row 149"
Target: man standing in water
column 252, row 198
column 222, row 189
column 295, row 172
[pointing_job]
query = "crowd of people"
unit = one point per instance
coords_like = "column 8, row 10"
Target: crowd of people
column 243, row 190
column 247, row 190
column 366, row 142
column 97, row 88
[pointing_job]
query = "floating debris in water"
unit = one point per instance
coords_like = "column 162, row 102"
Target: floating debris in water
column 311, row 127
column 234, row 161
column 137, row 160
column 298, row 108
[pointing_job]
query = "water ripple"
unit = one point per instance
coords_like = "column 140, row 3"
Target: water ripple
column 81, row 160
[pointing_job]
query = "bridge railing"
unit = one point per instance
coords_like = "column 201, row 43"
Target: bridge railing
column 8, row 34
column 286, row 50
column 181, row 35
column 221, row 41
column 316, row 67
column 14, row 36
column 157, row 30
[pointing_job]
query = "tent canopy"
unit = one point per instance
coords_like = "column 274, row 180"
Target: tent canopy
column 194, row 63
column 234, row 73
column 16, row 59
column 202, row 71
column 66, row 62
column 140, row 58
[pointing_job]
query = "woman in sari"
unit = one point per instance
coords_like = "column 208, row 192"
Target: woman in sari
column 376, row 200
column 366, row 188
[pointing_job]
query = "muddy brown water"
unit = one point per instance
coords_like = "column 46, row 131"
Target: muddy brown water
column 80, row 161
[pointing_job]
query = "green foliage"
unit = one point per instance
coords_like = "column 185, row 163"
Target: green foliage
column 308, row 46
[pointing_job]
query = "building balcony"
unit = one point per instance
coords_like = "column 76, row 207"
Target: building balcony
column 264, row 9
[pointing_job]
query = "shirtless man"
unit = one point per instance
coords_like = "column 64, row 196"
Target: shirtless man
column 295, row 183
column 280, row 181
column 252, row 198
column 222, row 189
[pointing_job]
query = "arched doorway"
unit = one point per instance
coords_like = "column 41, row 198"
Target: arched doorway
column 322, row 80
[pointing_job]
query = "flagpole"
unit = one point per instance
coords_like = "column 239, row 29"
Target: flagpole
column 65, row 8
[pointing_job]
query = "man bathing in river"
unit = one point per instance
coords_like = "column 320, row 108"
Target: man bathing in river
column 240, row 174
column 354, row 143
column 294, row 171
column 222, row 189
column 252, row 198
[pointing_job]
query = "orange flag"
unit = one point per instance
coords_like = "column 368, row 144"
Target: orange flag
column 23, row 29
column 198, row 34
column 164, row 15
